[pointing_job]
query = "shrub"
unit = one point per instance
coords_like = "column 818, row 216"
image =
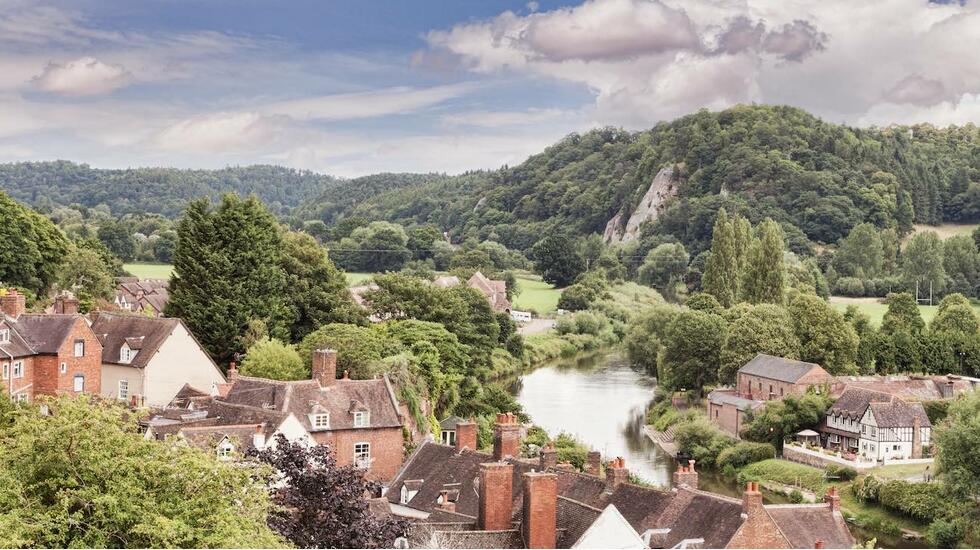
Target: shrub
column 745, row 452
column 849, row 286
column 845, row 473
column 785, row 472
column 944, row 533
column 577, row 297
column 922, row 501
column 701, row 439
column 795, row 496
column 867, row 489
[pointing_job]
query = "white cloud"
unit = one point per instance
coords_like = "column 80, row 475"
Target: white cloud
column 373, row 103
column 83, row 76
column 499, row 119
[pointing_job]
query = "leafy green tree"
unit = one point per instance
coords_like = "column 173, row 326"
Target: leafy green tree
column 922, row 264
column 782, row 418
column 959, row 319
column 85, row 273
column 377, row 247
column 703, row 301
column 577, row 297
column 957, row 441
column 359, row 349
column 316, row 292
column 557, row 259
column 645, row 335
column 860, row 254
column 867, row 338
column 721, row 274
column 766, row 328
column 692, row 350
column 117, row 238
column 664, row 266
column 889, row 251
column 163, row 248
column 273, row 359
column 826, row 338
column 228, row 272
column 83, row 476
column 31, row 247
column 764, row 277
column 904, row 213
column 902, row 315
column 961, row 261
column 421, row 239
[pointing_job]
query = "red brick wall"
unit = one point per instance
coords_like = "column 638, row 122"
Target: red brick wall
column 758, row 530
column 387, row 449
column 540, row 510
column 749, row 384
column 11, row 385
column 90, row 366
column 496, row 498
column 726, row 417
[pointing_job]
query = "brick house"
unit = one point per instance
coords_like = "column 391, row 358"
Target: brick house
column 876, row 425
column 456, row 497
column 147, row 296
column 495, row 291
column 767, row 377
column 359, row 419
column 728, row 411
column 46, row 354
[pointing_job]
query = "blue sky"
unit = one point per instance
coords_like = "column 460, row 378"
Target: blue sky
column 350, row 88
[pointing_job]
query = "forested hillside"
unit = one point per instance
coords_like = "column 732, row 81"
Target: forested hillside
column 166, row 191
column 818, row 180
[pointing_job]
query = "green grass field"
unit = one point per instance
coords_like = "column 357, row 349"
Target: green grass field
column 150, row 271
column 536, row 294
column 354, row 279
column 945, row 230
column 876, row 310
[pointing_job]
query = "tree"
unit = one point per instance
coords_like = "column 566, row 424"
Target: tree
column 959, row 319
column 83, row 476
column 85, row 273
column 826, row 338
column 117, row 238
column 557, row 259
column 902, row 315
column 664, row 266
column 646, row 333
column 765, row 328
column 783, row 418
column 272, row 359
column 860, row 254
column 764, row 277
column 421, row 239
column 577, row 297
column 692, row 350
column 922, row 264
column 227, row 273
column 961, row 261
column 31, row 247
column 316, row 292
column 359, row 349
column 703, row 301
column 321, row 504
column 377, row 247
column 957, row 440
column 721, row 274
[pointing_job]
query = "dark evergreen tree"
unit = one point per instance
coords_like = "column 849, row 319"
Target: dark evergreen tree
column 764, row 278
column 721, row 275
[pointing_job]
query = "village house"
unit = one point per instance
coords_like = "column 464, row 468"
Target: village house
column 46, row 354
column 458, row 497
column 495, row 291
column 767, row 377
column 876, row 425
column 147, row 360
column 360, row 419
column 728, row 411
column 147, row 296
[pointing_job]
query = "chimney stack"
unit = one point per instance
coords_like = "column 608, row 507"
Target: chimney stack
column 833, row 499
column 232, row 372
column 258, row 439
column 549, row 457
column 686, row 476
column 496, row 483
column 445, row 503
column 66, row 303
column 916, row 437
column 752, row 500
column 593, row 463
column 539, row 524
column 616, row 474
column 466, row 435
column 13, row 303
column 506, row 437
column 818, row 543
column 324, row 368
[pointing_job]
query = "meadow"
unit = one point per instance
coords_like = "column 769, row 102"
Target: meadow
column 149, row 271
column 875, row 309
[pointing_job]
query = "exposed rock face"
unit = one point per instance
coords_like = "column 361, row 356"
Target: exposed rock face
column 661, row 188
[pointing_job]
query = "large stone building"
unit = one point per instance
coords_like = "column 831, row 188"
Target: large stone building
column 458, row 497
column 767, row 377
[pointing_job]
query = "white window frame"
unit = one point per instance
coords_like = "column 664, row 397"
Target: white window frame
column 64, row 367
column 225, row 448
column 75, row 348
column 122, row 389
column 362, row 419
column 320, row 421
column 6, row 371
column 125, row 354
column 18, row 369
column 4, row 335
column 362, row 454
column 448, row 437
column 23, row 397
column 75, row 383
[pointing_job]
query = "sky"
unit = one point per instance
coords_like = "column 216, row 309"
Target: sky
column 353, row 87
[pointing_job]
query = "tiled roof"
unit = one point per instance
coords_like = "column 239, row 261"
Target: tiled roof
column 450, row 423
column 39, row 334
column 899, row 414
column 853, row 402
column 116, row 329
column 495, row 291
column 478, row 539
column 720, row 397
column 803, row 525
column 573, row 518
column 207, row 437
column 778, row 368
column 698, row 514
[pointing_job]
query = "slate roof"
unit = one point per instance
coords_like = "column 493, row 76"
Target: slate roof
column 721, row 397
column 898, row 413
column 779, row 368
column 478, row 539
column 803, row 524
column 495, row 291
column 853, row 402
column 148, row 333
column 575, row 518
column 207, row 438
column 450, row 423
column 38, row 333
column 914, row 387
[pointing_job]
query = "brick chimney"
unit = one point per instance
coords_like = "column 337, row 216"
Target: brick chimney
column 324, row 368
column 616, row 474
column 818, row 543
column 232, row 372
column 549, row 456
column 466, row 435
column 539, row 523
column 66, row 303
column 13, row 303
column 916, row 437
column 496, row 482
column 445, row 503
column 506, row 437
column 593, row 463
column 258, row 438
column 752, row 501
column 686, row 475
column 833, row 499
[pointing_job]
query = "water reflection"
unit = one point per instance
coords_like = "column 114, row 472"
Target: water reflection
column 602, row 401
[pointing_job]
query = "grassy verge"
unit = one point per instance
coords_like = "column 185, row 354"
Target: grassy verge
column 149, row 271
column 354, row 279
column 535, row 294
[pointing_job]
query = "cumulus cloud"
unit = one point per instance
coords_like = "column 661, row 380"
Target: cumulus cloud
column 795, row 41
column 220, row 133
column 917, row 90
column 83, row 76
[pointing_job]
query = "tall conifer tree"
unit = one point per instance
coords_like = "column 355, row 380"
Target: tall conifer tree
column 764, row 279
column 721, row 271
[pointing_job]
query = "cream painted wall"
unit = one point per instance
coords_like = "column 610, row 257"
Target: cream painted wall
column 179, row 361
column 112, row 374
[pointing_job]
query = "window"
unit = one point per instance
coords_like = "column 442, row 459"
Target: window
column 362, row 455
column 361, row 419
column 6, row 371
column 4, row 335
column 321, row 421
column 449, row 437
column 125, row 354
column 18, row 369
column 760, row 386
column 716, row 413
column 225, row 449
column 64, row 368
column 780, row 392
column 79, row 348
column 22, row 397
column 79, row 383
column 123, row 392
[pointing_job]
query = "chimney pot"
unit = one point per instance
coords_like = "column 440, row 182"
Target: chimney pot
column 616, row 474
column 13, row 303
column 818, row 543
column 232, row 372
column 324, row 369
column 549, row 456
column 593, row 463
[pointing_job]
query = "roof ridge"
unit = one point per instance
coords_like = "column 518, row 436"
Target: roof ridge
column 582, row 504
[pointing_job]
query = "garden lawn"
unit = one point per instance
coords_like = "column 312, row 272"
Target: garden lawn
column 536, row 295
column 150, row 271
column 876, row 310
column 354, row 279
column 787, row 473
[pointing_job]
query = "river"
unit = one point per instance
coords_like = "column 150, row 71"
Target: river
column 601, row 401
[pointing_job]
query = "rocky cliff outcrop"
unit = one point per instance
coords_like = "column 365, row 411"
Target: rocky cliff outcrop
column 661, row 188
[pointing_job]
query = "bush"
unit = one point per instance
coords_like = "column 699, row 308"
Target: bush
column 702, row 440
column 849, row 286
column 944, row 533
column 922, row 501
column 515, row 345
column 795, row 496
column 867, row 489
column 845, row 473
column 785, row 472
column 936, row 411
column 577, row 297
column 745, row 452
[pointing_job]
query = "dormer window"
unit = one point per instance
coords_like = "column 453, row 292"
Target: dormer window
column 225, row 448
column 4, row 335
column 320, row 421
column 362, row 419
column 126, row 354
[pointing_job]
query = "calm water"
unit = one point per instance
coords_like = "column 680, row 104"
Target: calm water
column 602, row 402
